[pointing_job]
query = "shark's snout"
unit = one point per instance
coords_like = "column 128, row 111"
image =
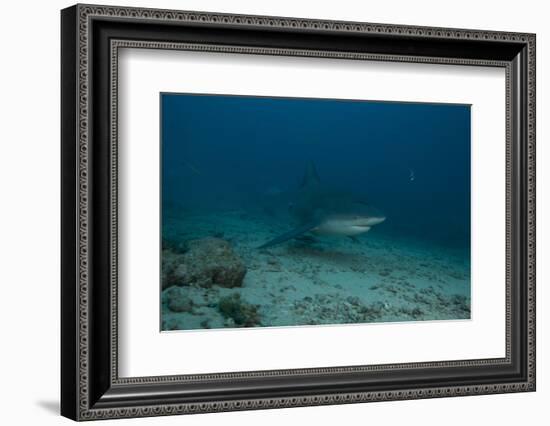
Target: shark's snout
column 371, row 221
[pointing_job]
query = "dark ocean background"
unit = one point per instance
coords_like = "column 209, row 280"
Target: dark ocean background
column 410, row 160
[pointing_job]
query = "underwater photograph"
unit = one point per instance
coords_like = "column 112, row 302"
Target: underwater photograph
column 310, row 211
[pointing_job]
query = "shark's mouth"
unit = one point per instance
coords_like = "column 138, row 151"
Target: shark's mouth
column 360, row 228
column 359, row 225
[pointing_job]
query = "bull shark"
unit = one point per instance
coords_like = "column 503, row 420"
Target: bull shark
column 327, row 211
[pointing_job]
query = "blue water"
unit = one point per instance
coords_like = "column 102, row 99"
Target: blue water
column 223, row 147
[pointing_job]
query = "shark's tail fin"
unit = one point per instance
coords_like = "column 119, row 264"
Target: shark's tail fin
column 310, row 177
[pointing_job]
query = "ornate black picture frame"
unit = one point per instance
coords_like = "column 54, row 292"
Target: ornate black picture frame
column 91, row 386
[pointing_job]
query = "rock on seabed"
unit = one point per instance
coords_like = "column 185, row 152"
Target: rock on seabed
column 207, row 262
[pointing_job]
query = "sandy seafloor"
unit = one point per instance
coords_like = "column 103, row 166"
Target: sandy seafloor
column 331, row 280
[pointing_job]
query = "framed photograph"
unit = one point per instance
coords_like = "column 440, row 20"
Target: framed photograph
column 263, row 212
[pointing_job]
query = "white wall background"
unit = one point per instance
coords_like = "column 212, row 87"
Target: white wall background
column 29, row 211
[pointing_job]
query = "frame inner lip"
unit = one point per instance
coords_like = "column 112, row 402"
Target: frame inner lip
column 505, row 361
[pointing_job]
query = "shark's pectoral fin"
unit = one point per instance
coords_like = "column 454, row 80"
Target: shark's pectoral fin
column 291, row 234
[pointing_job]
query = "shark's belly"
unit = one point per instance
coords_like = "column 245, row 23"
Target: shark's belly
column 339, row 229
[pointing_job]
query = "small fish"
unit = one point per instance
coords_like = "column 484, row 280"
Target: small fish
column 411, row 175
column 191, row 167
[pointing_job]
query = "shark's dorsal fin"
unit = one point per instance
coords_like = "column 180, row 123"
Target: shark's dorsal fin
column 296, row 232
column 311, row 178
